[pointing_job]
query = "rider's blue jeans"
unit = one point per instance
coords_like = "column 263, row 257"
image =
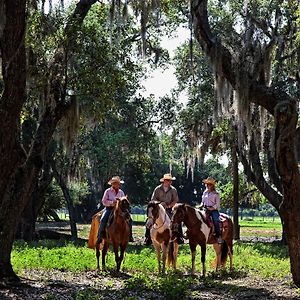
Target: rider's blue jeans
column 104, row 219
column 216, row 220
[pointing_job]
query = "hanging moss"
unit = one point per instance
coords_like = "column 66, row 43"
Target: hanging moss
column 69, row 125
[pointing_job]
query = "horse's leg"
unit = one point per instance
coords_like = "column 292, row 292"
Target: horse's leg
column 203, row 254
column 98, row 256
column 122, row 251
column 193, row 251
column 230, row 253
column 104, row 252
column 157, row 250
column 217, row 248
column 175, row 253
column 164, row 256
column 117, row 259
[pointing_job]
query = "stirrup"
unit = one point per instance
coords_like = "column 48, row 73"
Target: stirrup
column 99, row 241
column 180, row 241
column 220, row 240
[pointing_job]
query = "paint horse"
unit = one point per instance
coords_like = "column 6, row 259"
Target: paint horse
column 117, row 233
column 200, row 233
column 159, row 224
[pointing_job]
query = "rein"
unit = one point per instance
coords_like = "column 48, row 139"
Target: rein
column 118, row 212
column 195, row 223
column 156, row 228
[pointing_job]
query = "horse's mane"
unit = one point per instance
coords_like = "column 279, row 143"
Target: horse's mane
column 194, row 208
column 152, row 204
column 117, row 206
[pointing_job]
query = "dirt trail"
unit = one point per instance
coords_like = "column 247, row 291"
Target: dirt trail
column 58, row 285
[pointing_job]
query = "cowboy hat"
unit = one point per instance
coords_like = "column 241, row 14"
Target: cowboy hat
column 115, row 179
column 167, row 177
column 210, row 180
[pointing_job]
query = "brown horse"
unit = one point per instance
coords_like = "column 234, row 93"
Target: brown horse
column 117, row 233
column 159, row 223
column 199, row 233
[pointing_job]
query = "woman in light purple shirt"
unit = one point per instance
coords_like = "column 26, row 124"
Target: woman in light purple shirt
column 211, row 201
column 109, row 200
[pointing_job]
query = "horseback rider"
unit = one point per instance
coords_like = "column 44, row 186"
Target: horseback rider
column 211, row 201
column 167, row 195
column 109, row 200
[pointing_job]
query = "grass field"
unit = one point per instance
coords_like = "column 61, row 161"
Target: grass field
column 257, row 262
column 139, row 259
column 67, row 256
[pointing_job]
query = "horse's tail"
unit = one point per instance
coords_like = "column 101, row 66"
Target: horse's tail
column 224, row 253
column 94, row 230
column 170, row 256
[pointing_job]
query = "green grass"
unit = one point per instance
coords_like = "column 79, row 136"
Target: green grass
column 266, row 260
column 138, row 218
column 259, row 223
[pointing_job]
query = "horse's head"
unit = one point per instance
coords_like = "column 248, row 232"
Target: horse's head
column 152, row 213
column 178, row 215
column 122, row 204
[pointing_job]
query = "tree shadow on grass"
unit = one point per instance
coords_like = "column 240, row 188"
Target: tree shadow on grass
column 218, row 290
column 49, row 244
column 275, row 249
column 113, row 285
column 113, row 273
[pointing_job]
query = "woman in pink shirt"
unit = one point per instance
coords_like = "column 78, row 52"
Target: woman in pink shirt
column 211, row 201
column 109, row 200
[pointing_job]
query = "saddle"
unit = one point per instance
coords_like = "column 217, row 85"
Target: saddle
column 111, row 217
column 223, row 221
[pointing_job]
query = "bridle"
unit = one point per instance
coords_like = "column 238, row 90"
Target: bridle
column 154, row 222
column 122, row 213
column 195, row 223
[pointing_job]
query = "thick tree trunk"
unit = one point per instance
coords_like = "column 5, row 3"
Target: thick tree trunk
column 29, row 217
column 283, row 233
column 12, row 48
column 286, row 118
column 235, row 173
column 19, row 173
column 12, row 52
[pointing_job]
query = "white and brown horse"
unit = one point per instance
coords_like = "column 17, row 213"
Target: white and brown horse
column 200, row 233
column 117, row 233
column 160, row 231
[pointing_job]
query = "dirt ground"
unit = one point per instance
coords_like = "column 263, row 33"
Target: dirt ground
column 57, row 285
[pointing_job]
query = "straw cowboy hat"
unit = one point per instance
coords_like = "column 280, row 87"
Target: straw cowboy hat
column 167, row 177
column 210, row 180
column 115, row 179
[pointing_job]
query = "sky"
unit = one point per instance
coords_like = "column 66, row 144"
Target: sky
column 161, row 81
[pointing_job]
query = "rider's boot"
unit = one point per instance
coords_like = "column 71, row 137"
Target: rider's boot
column 147, row 241
column 130, row 235
column 99, row 238
column 180, row 239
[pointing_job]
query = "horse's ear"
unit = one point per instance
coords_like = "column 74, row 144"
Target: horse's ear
column 126, row 196
column 118, row 199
